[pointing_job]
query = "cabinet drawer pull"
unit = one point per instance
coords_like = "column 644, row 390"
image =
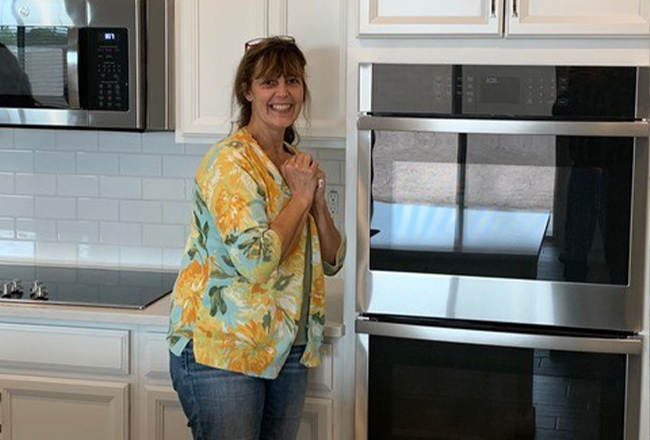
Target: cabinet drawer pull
column 515, row 9
column 493, row 9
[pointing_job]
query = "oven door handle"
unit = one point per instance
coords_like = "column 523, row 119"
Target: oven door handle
column 494, row 126
column 629, row 346
column 72, row 60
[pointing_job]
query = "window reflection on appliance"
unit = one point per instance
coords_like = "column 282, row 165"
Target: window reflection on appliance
column 531, row 207
column 34, row 67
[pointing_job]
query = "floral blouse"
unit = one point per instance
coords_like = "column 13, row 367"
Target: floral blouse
column 234, row 297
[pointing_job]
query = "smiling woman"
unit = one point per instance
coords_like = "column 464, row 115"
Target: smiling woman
column 248, row 307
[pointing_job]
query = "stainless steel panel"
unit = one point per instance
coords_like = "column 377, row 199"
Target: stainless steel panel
column 48, row 117
column 365, row 88
column 71, row 13
column 630, row 345
column 492, row 126
column 72, row 59
column 643, row 97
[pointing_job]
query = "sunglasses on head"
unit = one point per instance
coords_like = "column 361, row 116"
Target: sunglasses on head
column 255, row 41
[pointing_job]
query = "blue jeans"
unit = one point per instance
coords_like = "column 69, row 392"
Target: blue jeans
column 224, row 405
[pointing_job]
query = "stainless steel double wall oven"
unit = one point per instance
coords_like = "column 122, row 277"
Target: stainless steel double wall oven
column 501, row 227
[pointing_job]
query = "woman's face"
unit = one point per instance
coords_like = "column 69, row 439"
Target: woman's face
column 276, row 102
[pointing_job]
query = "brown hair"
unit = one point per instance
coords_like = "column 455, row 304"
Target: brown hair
column 275, row 56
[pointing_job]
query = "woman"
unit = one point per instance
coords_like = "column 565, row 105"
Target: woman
column 247, row 312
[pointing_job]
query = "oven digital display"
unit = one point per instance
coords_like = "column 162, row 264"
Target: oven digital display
column 499, row 90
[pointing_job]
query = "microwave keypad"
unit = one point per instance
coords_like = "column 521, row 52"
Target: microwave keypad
column 108, row 70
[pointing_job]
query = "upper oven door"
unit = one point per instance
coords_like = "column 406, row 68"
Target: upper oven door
column 521, row 221
column 70, row 63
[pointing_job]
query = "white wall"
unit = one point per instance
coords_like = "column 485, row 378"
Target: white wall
column 103, row 199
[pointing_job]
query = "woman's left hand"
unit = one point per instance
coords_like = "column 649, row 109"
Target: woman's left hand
column 319, row 195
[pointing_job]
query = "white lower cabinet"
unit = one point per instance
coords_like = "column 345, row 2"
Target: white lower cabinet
column 81, row 381
column 37, row 408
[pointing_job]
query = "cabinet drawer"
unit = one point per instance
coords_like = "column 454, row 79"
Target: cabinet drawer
column 70, row 349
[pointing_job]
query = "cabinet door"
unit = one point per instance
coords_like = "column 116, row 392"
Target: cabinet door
column 316, row 421
column 430, row 17
column 63, row 409
column 166, row 420
column 578, row 17
column 319, row 29
column 211, row 36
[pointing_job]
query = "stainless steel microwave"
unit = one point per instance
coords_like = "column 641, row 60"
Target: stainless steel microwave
column 97, row 64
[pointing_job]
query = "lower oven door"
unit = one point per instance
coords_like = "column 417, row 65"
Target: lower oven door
column 422, row 382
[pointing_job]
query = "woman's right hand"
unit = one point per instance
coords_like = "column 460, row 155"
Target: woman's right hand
column 301, row 174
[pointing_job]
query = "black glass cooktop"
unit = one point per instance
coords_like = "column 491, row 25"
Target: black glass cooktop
column 86, row 287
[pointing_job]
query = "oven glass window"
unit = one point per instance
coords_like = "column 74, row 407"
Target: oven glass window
column 33, row 67
column 431, row 390
column 552, row 208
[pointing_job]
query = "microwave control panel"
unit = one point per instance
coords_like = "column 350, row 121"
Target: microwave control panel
column 107, row 57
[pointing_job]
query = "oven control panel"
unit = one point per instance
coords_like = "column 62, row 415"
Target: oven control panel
column 517, row 92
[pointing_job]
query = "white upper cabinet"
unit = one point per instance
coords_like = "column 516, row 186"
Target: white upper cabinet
column 210, row 43
column 578, row 17
column 425, row 17
column 593, row 18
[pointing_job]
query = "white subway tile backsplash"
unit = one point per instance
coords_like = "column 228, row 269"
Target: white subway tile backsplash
column 120, row 142
column 141, row 257
column 35, row 139
column 140, row 211
column 98, row 255
column 16, row 206
column 7, row 229
column 160, row 143
column 98, row 209
column 7, row 183
column 61, row 254
column 35, row 229
column 172, row 258
column 163, row 189
column 120, row 233
column 140, row 165
column 181, row 166
column 77, row 140
column 6, row 138
column 177, row 212
column 197, row 149
column 76, row 231
column 20, row 161
column 57, row 162
column 163, row 235
column 78, row 186
column 98, row 163
column 332, row 171
column 36, row 184
column 103, row 198
column 120, row 187
column 55, row 207
column 17, row 251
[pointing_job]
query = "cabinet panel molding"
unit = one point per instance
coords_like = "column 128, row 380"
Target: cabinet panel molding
column 594, row 18
column 316, row 421
column 86, row 350
column 165, row 417
column 62, row 409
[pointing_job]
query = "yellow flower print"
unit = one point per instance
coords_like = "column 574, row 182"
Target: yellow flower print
column 189, row 290
column 255, row 350
column 228, row 208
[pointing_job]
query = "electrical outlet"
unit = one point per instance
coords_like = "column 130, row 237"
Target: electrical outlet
column 332, row 196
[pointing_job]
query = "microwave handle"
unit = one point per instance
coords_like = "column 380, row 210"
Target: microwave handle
column 72, row 60
column 495, row 126
column 630, row 346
